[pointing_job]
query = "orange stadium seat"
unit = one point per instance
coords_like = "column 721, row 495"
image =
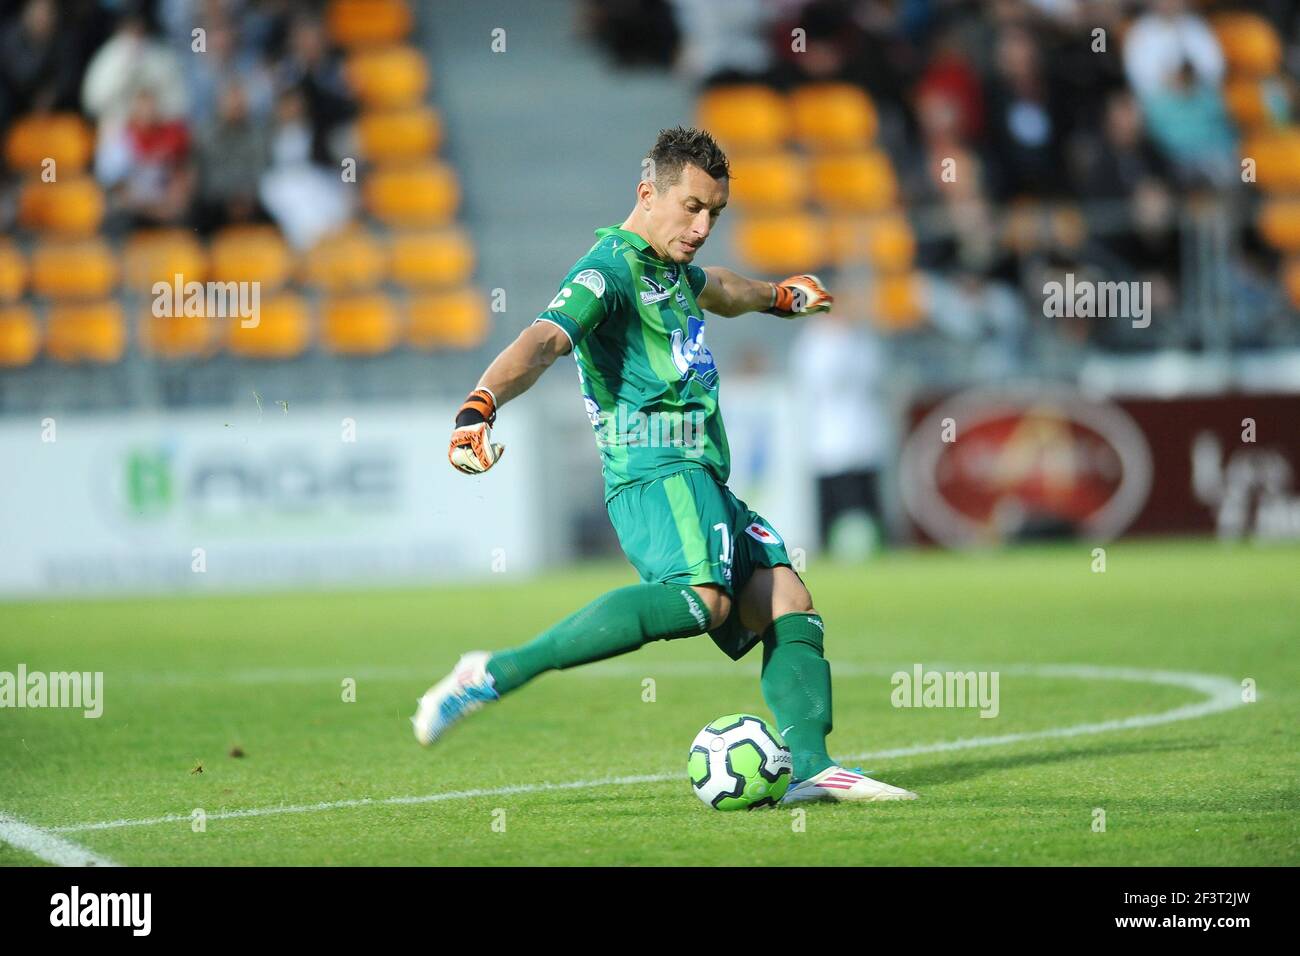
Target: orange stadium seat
column 425, row 194
column 72, row 206
column 747, row 117
column 180, row 336
column 282, row 332
column 250, row 254
column 1250, row 45
column 885, row 242
column 364, row 22
column 13, row 272
column 359, row 325
column 1276, row 153
column 1291, row 281
column 63, row 137
column 347, row 261
column 424, row 260
column 833, row 116
column 159, row 255
column 897, row 301
column 390, row 135
column 1279, row 223
column 771, row 181
column 457, row 319
column 388, row 78
column 1244, row 98
column 86, row 332
column 858, row 182
column 788, row 243
column 82, row 269
column 20, row 335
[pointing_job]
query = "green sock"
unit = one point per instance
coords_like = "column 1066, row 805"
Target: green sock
column 797, row 686
column 613, row 624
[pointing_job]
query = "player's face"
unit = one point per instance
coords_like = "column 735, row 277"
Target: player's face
column 682, row 216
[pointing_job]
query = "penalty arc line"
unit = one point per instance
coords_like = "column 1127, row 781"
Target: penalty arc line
column 1221, row 694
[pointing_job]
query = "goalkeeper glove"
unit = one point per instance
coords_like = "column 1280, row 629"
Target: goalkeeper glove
column 799, row 295
column 472, row 450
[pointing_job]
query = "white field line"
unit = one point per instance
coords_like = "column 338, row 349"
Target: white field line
column 46, row 846
column 1220, row 694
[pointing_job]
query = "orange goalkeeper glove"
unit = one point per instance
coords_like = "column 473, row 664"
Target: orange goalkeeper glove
column 472, row 450
column 799, row 295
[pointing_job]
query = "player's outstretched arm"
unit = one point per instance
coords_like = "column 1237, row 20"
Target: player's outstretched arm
column 730, row 293
column 513, row 372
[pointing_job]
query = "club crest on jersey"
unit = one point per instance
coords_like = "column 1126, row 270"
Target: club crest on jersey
column 692, row 356
column 657, row 292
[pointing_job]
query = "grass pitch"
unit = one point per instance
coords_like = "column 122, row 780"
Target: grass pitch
column 1170, row 626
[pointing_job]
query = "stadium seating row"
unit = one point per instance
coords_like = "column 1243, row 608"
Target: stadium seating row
column 354, row 260
column 286, row 327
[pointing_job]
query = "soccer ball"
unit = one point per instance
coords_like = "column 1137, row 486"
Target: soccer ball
column 739, row 762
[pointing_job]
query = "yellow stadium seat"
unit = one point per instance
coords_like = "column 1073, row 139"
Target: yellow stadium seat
column 86, row 332
column 1291, row 281
column 63, row 137
column 180, row 336
column 768, row 182
column 20, row 335
column 72, row 206
column 897, row 301
column 349, row 261
column 1250, row 45
column 159, row 255
column 359, row 325
column 1276, row 156
column 395, row 135
column 1279, row 223
column 425, row 260
column 283, row 330
column 833, row 116
column 1244, row 98
column 13, row 272
column 857, row 182
column 250, row 254
column 782, row 244
column 365, row 22
column 389, row 77
column 425, row 194
column 457, row 319
column 746, row 117
column 83, row 269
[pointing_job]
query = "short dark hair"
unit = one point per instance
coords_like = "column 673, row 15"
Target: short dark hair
column 685, row 146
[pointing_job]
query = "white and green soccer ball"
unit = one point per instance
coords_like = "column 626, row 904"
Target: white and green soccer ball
column 739, row 762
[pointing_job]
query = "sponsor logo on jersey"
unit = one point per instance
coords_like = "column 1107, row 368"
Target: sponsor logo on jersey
column 692, row 356
column 762, row 534
column 593, row 280
column 560, row 298
column 657, row 292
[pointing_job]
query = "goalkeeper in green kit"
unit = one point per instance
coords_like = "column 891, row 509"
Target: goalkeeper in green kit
column 632, row 313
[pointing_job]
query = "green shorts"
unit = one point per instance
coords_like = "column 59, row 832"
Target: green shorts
column 686, row 528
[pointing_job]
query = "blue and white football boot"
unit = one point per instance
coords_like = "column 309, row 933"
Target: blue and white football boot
column 466, row 689
column 837, row 784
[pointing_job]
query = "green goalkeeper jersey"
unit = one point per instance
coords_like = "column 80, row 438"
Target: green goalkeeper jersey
column 648, row 379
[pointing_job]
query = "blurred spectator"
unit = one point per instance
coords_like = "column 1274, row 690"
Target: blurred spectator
column 144, row 163
column 838, row 365
column 132, row 60
column 1024, row 118
column 984, row 315
column 1164, row 41
column 633, row 32
column 306, row 200
column 224, row 60
column 38, row 64
column 314, row 69
column 722, row 40
column 1123, row 158
column 1188, row 121
column 234, row 151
